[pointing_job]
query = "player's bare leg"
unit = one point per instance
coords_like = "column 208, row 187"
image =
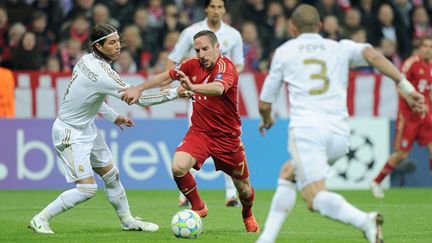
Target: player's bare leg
column 182, row 163
column 282, row 204
column 116, row 195
column 247, row 195
column 85, row 189
column 391, row 163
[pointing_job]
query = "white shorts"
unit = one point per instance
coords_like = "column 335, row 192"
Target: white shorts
column 80, row 151
column 312, row 150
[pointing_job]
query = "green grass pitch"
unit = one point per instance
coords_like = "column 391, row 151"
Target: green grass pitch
column 407, row 218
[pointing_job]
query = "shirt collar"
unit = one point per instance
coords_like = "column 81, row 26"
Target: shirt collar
column 309, row 36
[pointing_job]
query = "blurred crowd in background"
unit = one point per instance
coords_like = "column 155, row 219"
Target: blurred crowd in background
column 51, row 36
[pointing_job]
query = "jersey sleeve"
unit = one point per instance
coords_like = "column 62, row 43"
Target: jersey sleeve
column 355, row 52
column 274, row 80
column 226, row 77
column 108, row 113
column 109, row 82
column 237, row 55
column 182, row 47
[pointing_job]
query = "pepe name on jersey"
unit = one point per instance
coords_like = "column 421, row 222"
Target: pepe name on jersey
column 311, row 47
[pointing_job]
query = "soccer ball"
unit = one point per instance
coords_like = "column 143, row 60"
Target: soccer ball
column 186, row 224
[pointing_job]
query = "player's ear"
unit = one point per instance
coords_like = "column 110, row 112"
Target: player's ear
column 98, row 46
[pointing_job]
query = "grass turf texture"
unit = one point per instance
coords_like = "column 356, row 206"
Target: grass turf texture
column 407, row 218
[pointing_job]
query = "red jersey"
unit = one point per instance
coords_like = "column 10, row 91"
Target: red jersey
column 419, row 73
column 216, row 115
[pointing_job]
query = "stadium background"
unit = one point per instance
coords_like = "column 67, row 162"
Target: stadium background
column 58, row 35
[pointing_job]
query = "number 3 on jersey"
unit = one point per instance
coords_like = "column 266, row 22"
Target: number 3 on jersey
column 322, row 75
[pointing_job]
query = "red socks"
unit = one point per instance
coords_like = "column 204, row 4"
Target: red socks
column 187, row 186
column 247, row 205
column 387, row 169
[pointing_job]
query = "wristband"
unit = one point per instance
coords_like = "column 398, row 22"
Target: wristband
column 406, row 87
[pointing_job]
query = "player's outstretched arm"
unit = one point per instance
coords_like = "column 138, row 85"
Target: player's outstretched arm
column 380, row 62
column 266, row 119
column 210, row 89
column 164, row 96
column 132, row 94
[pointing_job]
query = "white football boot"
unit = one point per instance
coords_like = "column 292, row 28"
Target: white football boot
column 377, row 190
column 373, row 230
column 136, row 224
column 40, row 225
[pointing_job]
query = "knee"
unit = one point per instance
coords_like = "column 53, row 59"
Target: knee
column 287, row 171
column 88, row 190
column 245, row 190
column 111, row 176
column 179, row 169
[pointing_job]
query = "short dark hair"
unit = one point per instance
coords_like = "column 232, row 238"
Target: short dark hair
column 207, row 3
column 209, row 34
column 306, row 18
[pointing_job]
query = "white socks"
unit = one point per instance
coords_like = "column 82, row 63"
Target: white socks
column 334, row 206
column 116, row 194
column 230, row 189
column 282, row 204
column 69, row 199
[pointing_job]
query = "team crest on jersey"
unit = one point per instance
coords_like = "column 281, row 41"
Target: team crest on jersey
column 421, row 71
column 218, row 76
column 194, row 78
column 81, row 168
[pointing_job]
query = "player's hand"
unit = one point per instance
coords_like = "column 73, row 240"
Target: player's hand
column 184, row 80
column 130, row 95
column 265, row 125
column 417, row 102
column 183, row 93
column 123, row 120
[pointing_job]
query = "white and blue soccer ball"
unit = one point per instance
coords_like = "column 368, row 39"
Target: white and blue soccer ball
column 186, row 224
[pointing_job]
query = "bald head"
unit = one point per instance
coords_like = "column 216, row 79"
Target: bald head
column 306, row 18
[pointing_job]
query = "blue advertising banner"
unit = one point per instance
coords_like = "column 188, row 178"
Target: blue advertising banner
column 143, row 154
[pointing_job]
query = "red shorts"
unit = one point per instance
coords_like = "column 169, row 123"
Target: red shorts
column 228, row 153
column 410, row 129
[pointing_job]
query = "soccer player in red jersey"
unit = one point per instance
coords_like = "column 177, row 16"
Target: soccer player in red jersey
column 411, row 126
column 216, row 126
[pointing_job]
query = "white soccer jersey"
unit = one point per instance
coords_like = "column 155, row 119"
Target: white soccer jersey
column 93, row 79
column 231, row 43
column 316, row 70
